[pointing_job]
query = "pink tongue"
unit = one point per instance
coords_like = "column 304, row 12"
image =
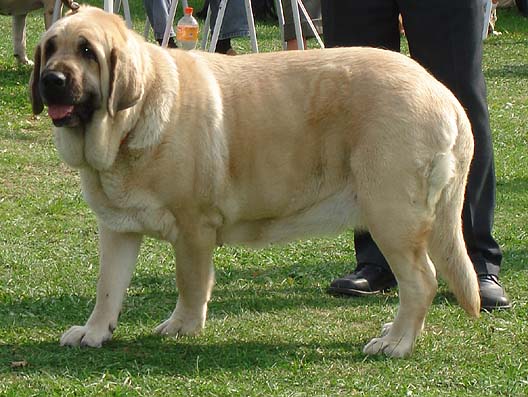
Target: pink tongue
column 57, row 112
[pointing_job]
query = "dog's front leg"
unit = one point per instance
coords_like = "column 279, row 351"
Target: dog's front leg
column 19, row 39
column 117, row 256
column 194, row 279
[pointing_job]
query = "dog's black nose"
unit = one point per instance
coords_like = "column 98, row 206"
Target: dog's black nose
column 54, row 79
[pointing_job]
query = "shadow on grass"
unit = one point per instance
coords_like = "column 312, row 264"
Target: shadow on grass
column 65, row 310
column 152, row 355
column 510, row 20
column 512, row 186
column 15, row 76
column 517, row 260
column 519, row 71
column 20, row 135
column 152, row 298
column 250, row 289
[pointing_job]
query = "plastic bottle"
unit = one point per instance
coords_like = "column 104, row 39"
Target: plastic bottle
column 187, row 30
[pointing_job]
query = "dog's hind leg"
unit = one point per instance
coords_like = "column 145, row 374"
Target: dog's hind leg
column 403, row 243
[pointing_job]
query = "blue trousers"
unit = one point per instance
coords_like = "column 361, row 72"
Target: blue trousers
column 157, row 13
column 234, row 23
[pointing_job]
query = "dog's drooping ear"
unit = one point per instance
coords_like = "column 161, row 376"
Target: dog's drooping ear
column 125, row 83
column 34, row 92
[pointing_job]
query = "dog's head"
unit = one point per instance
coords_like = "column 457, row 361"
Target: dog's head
column 85, row 73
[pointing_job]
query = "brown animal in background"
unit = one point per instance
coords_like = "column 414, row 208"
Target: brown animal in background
column 19, row 10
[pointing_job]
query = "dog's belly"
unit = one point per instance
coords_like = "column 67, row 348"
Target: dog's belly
column 329, row 216
column 18, row 7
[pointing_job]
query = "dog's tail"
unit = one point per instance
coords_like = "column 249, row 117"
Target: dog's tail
column 447, row 248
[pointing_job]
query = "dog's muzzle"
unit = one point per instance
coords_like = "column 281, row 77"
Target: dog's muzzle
column 67, row 107
column 56, row 93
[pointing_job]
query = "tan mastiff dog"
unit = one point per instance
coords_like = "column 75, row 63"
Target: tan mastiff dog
column 201, row 150
column 19, row 10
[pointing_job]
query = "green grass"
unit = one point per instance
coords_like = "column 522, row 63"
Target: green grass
column 272, row 329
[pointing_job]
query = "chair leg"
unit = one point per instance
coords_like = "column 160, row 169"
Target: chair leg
column 206, row 30
column 57, row 11
column 310, row 23
column 218, row 25
column 251, row 25
column 169, row 23
column 128, row 16
column 280, row 17
column 297, row 24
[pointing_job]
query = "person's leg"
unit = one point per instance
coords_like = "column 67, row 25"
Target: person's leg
column 313, row 7
column 371, row 23
column 157, row 13
column 368, row 23
column 457, row 62
column 234, row 23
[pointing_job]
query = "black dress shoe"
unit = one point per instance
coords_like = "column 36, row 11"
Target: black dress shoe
column 492, row 295
column 367, row 279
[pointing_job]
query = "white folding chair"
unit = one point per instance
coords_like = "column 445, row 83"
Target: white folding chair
column 170, row 20
column 487, row 13
column 218, row 25
column 117, row 6
column 108, row 6
column 296, row 5
column 169, row 24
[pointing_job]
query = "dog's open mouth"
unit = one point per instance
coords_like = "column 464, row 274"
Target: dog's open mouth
column 70, row 115
column 61, row 114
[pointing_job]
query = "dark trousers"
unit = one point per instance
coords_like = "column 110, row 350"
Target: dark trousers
column 444, row 36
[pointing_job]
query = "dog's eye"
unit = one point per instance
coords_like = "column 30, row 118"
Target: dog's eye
column 87, row 52
column 49, row 49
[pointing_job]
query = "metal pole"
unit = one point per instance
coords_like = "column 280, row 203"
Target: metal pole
column 297, row 24
column 109, row 6
column 206, row 30
column 310, row 23
column 218, row 25
column 251, row 25
column 280, row 16
column 56, row 11
column 169, row 22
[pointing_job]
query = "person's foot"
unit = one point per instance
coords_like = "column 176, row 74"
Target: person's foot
column 367, row 279
column 492, row 295
column 170, row 44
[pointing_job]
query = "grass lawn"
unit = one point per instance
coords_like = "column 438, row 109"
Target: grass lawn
column 272, row 329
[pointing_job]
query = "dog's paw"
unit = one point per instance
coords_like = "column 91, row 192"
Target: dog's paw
column 396, row 348
column 86, row 336
column 24, row 60
column 385, row 329
column 177, row 325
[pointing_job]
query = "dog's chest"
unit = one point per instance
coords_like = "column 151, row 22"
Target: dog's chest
column 127, row 208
